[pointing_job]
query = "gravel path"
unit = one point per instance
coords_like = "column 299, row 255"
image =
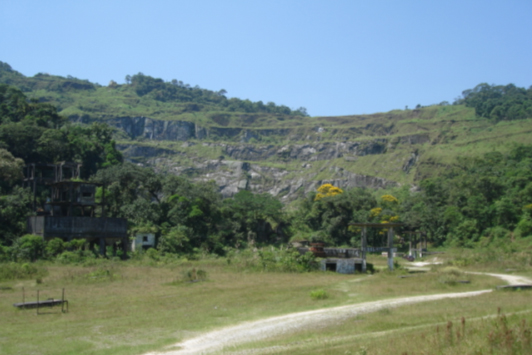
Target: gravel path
column 511, row 279
column 261, row 329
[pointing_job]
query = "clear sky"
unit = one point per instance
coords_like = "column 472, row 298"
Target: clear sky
column 334, row 57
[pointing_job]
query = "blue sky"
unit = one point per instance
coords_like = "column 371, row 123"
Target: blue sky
column 333, row 57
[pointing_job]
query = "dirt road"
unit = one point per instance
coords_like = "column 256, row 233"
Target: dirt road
column 261, row 329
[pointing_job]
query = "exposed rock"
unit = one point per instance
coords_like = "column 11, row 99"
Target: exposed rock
column 234, row 176
column 134, row 151
column 410, row 162
column 240, row 146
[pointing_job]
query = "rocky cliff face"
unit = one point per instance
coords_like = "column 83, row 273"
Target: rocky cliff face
column 245, row 163
column 156, row 129
column 232, row 176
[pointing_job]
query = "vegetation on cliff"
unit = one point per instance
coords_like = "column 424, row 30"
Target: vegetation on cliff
column 482, row 197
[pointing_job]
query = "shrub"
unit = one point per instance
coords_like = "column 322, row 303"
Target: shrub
column 28, row 247
column 5, row 253
column 524, row 227
column 288, row 260
column 152, row 254
column 370, row 268
column 319, row 294
column 55, row 247
column 195, row 275
column 13, row 271
column 176, row 241
column 69, row 257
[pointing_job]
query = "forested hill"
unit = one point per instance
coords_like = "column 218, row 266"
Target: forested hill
column 141, row 96
column 203, row 135
column 461, row 172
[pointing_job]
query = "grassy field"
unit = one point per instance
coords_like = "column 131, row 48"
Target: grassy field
column 132, row 307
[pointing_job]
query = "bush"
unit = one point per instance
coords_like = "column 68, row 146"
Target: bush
column 152, row 254
column 55, row 247
column 69, row 257
column 319, row 294
column 28, row 247
column 287, row 260
column 14, row 271
column 370, row 268
column 5, row 253
column 524, row 227
column 195, row 275
column 176, row 241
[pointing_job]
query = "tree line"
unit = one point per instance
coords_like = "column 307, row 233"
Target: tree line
column 194, row 98
column 477, row 200
column 499, row 102
column 176, row 90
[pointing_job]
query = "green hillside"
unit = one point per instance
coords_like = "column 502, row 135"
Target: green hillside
column 143, row 96
column 401, row 146
column 210, row 172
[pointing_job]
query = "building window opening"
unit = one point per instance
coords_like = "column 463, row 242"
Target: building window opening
column 145, row 239
column 330, row 267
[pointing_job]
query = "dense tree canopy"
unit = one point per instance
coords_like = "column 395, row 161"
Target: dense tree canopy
column 34, row 132
column 178, row 91
column 480, row 197
column 499, row 102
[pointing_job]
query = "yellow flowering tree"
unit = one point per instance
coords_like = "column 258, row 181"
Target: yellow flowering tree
column 387, row 212
column 327, row 190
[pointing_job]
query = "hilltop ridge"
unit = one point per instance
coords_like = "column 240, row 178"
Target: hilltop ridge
column 268, row 148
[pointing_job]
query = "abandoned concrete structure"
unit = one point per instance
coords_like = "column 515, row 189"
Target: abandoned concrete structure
column 69, row 211
column 350, row 260
column 341, row 260
column 364, row 241
column 143, row 241
column 342, row 266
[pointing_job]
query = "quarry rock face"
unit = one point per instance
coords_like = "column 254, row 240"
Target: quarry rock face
column 243, row 161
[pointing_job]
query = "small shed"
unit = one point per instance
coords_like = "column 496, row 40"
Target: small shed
column 143, row 241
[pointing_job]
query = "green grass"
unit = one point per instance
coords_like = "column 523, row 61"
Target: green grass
column 115, row 306
column 418, row 329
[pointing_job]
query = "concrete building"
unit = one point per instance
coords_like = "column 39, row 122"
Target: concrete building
column 69, row 211
column 341, row 260
column 343, row 266
column 143, row 241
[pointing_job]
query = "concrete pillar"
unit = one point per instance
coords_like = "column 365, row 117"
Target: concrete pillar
column 125, row 247
column 102, row 246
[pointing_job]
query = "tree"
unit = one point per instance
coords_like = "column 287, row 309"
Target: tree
column 327, row 190
column 14, row 209
column 10, row 167
column 253, row 216
column 328, row 218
